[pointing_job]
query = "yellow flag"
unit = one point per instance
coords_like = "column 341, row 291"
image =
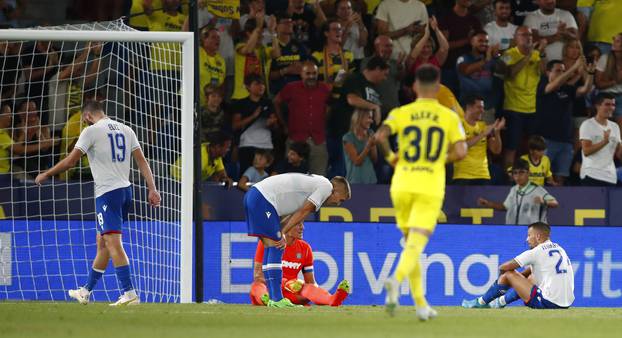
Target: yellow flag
column 224, row 8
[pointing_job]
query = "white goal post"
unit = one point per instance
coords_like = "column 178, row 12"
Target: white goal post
column 147, row 243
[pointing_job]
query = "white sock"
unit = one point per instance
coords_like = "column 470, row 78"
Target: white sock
column 480, row 300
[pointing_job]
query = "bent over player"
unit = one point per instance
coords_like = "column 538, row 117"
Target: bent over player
column 109, row 145
column 429, row 135
column 546, row 283
column 297, row 257
column 293, row 195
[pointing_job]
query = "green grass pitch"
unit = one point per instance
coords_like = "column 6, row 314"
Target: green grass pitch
column 50, row 320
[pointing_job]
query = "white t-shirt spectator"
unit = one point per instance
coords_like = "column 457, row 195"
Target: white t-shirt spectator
column 546, row 25
column 399, row 14
column 500, row 35
column 600, row 164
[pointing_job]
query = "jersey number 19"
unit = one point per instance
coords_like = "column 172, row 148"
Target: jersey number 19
column 117, row 147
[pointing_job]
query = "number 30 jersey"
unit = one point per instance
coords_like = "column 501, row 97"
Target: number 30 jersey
column 552, row 272
column 108, row 145
column 425, row 129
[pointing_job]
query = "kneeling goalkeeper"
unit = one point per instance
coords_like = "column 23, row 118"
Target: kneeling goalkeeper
column 297, row 257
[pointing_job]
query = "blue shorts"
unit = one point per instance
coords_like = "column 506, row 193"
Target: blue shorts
column 261, row 217
column 560, row 154
column 111, row 209
column 537, row 301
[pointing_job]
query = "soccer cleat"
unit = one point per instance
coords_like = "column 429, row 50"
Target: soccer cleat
column 80, row 294
column 425, row 313
column 344, row 285
column 265, row 299
column 283, row 303
column 127, row 298
column 474, row 304
column 495, row 304
column 343, row 290
column 391, row 300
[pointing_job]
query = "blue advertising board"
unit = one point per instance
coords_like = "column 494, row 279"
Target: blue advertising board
column 460, row 261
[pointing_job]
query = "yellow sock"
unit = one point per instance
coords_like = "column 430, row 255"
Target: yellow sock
column 416, row 286
column 409, row 258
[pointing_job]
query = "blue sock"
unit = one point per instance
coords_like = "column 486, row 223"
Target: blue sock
column 510, row 296
column 495, row 291
column 123, row 275
column 273, row 272
column 94, row 277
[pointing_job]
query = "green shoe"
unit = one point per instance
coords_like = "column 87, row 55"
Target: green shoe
column 283, row 303
column 265, row 299
column 344, row 285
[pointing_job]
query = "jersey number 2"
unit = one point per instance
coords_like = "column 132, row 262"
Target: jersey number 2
column 117, row 147
column 559, row 262
column 434, row 143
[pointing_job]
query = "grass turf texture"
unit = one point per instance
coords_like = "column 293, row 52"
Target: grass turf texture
column 49, row 320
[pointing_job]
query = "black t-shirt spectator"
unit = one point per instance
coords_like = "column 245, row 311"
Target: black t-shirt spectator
column 37, row 60
column 284, row 167
column 294, row 51
column 304, row 28
column 338, row 122
column 459, row 28
column 554, row 112
column 520, row 9
column 246, row 107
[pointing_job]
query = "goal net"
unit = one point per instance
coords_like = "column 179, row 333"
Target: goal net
column 47, row 233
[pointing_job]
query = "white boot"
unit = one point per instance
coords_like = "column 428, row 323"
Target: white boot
column 391, row 300
column 127, row 298
column 80, row 294
column 425, row 313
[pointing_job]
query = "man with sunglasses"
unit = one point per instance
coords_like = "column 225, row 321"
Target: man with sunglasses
column 526, row 203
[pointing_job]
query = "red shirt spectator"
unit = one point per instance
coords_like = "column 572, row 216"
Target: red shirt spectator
column 306, row 110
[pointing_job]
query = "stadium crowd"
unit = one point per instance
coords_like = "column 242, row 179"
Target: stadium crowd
column 300, row 86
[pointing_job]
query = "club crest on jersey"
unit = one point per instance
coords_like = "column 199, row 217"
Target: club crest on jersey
column 298, row 255
column 268, row 214
column 104, row 207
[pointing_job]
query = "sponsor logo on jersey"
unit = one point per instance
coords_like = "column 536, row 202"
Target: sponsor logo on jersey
column 290, row 265
column 268, row 214
column 104, row 207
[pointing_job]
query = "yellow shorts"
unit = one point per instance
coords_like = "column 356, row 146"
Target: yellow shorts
column 414, row 210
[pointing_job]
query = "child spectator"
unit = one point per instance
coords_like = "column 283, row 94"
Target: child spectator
column 296, row 161
column 539, row 164
column 527, row 202
column 263, row 159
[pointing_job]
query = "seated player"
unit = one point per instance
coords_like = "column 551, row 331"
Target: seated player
column 551, row 285
column 297, row 257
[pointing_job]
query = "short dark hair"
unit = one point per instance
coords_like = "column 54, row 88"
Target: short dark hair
column 501, row 1
column 250, row 25
column 301, row 148
column 93, row 106
column 541, row 226
column 552, row 63
column 536, row 142
column 602, row 97
column 478, row 32
column 265, row 153
column 427, row 74
column 218, row 138
column 471, row 99
column 250, row 78
column 376, row 62
column 520, row 164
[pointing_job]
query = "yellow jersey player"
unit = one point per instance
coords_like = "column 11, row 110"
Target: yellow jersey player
column 429, row 135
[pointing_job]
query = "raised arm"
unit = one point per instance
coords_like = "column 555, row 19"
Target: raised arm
column 154, row 196
column 490, row 204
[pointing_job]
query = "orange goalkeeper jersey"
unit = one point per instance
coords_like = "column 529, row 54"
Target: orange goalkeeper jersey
column 296, row 257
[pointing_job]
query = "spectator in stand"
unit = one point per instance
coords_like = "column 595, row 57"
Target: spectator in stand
column 258, row 171
column 571, row 53
column 330, row 7
column 39, row 62
column 253, row 120
column 360, row 149
column 423, row 51
column 579, row 17
column 334, row 62
column 522, row 68
column 473, row 169
column 501, row 30
column 389, row 88
column 539, row 164
column 358, row 92
column 254, row 7
column 212, row 66
column 213, row 116
column 307, row 21
column 600, row 142
column 10, row 59
column 483, row 10
column 520, row 10
column 526, row 203
column 295, row 161
column 6, row 141
column 307, row 105
column 37, row 156
column 553, row 24
column 603, row 20
column 609, row 75
column 554, row 108
column 457, row 26
column 212, row 152
column 252, row 57
column 475, row 72
column 354, row 31
column 401, row 20
column 287, row 67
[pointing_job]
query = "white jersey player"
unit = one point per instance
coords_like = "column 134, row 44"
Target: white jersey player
column 293, row 196
column 109, row 146
column 546, row 283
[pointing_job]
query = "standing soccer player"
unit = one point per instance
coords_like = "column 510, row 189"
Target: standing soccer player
column 293, row 196
column 429, row 135
column 108, row 145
